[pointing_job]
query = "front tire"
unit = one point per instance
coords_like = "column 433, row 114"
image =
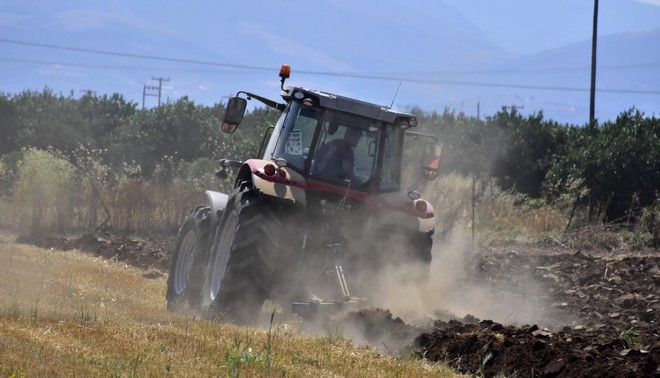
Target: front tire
column 189, row 258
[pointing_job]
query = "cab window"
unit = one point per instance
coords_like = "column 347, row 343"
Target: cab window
column 297, row 135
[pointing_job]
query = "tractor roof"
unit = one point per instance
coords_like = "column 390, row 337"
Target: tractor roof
column 348, row 105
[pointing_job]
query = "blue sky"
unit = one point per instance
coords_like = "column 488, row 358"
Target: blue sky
column 457, row 54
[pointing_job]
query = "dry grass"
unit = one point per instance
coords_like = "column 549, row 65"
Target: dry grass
column 130, row 205
column 72, row 314
column 141, row 206
column 497, row 214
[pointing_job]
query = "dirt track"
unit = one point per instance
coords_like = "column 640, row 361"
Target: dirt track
column 600, row 311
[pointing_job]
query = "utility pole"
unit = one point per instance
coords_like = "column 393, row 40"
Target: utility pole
column 146, row 93
column 88, row 92
column 160, row 85
column 155, row 91
column 592, row 99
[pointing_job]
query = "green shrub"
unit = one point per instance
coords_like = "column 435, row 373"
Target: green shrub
column 498, row 213
column 40, row 197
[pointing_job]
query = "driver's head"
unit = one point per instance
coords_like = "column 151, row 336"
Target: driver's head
column 353, row 136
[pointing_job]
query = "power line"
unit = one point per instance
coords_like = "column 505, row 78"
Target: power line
column 385, row 74
column 480, row 84
column 130, row 55
column 260, row 68
column 337, row 74
column 119, row 67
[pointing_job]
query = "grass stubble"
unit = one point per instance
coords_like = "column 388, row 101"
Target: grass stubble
column 74, row 314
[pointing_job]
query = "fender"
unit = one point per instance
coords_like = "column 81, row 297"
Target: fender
column 393, row 209
column 218, row 202
column 398, row 210
column 285, row 184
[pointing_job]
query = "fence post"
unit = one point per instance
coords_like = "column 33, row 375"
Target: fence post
column 473, row 205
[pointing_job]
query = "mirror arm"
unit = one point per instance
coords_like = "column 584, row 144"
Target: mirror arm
column 422, row 135
column 265, row 101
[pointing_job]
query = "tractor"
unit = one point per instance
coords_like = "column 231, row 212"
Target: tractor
column 310, row 223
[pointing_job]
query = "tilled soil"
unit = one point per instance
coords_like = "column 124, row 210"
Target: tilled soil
column 600, row 310
column 148, row 253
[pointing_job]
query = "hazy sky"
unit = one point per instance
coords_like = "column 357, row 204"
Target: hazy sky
column 519, row 26
column 529, row 26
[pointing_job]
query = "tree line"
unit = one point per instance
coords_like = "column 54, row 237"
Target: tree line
column 612, row 169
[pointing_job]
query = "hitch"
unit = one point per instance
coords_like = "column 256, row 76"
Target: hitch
column 316, row 305
column 308, row 309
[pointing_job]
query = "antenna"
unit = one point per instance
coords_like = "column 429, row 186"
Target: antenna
column 395, row 93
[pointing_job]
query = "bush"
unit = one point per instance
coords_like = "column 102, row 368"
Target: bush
column 40, row 197
column 497, row 213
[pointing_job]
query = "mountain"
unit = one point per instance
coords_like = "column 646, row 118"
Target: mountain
column 557, row 82
column 627, row 67
column 408, row 54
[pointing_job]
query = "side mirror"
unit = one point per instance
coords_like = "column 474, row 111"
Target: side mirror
column 431, row 160
column 371, row 149
column 234, row 114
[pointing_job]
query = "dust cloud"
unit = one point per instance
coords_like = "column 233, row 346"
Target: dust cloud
column 454, row 292
column 401, row 303
column 404, row 299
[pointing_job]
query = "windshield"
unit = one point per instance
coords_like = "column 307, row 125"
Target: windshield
column 346, row 149
column 338, row 147
column 295, row 135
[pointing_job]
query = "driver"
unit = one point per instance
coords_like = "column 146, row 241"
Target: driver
column 337, row 158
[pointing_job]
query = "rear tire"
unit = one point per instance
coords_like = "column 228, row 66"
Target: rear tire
column 246, row 254
column 393, row 250
column 188, row 261
column 422, row 246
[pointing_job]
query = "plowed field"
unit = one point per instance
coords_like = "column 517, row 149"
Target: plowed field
column 561, row 312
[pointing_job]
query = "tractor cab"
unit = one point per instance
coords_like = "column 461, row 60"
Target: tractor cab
column 338, row 147
column 336, row 140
